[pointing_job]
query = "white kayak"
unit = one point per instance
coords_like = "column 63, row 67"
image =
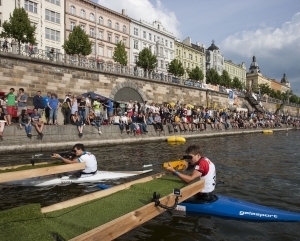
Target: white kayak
column 60, row 179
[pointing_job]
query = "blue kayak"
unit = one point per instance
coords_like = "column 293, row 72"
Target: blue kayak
column 237, row 209
column 232, row 208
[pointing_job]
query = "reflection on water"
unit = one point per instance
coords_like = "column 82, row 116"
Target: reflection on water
column 258, row 168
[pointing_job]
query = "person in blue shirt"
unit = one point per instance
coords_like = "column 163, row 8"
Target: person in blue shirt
column 53, row 104
column 110, row 110
column 37, row 122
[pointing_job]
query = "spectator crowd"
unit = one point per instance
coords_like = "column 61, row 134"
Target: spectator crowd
column 131, row 116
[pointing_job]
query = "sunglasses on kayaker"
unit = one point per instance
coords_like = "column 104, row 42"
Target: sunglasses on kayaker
column 188, row 157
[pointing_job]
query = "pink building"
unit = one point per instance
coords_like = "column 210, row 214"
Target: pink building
column 104, row 26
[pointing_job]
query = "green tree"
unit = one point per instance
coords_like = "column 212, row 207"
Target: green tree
column 120, row 54
column 176, row 68
column 19, row 28
column 236, row 83
column 78, row 43
column 225, row 79
column 212, row 77
column 196, row 74
column 146, row 60
column 265, row 89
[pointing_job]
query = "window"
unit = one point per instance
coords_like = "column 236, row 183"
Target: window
column 82, row 27
column 136, row 45
column 92, row 17
column 30, row 6
column 52, row 34
column 124, row 41
column 179, row 52
column 109, row 51
column 166, row 43
column 136, row 32
column 124, row 29
column 109, row 23
column 162, row 64
column 82, row 13
column 171, row 45
column 117, row 26
column 117, row 39
column 150, row 48
column 190, row 56
column 196, row 58
column 57, row 2
column 136, row 58
column 52, row 16
column 144, row 34
column 144, row 45
column 100, row 34
column 72, row 25
column 166, row 54
column 93, row 48
column 154, row 38
column 73, row 10
column 176, row 51
column 109, row 37
column 92, row 32
column 101, row 52
column 183, row 54
column 100, row 20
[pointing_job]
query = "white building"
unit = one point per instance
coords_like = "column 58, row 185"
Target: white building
column 46, row 15
column 214, row 58
column 153, row 36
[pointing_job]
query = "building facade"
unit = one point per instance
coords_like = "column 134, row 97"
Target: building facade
column 105, row 27
column 214, row 58
column 255, row 78
column 190, row 55
column 46, row 15
column 236, row 70
column 155, row 37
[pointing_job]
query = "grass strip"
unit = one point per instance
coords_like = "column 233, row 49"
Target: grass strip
column 28, row 223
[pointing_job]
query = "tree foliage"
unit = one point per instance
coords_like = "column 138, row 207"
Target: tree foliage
column 236, row 83
column 212, row 77
column 78, row 43
column 225, row 79
column 120, row 54
column 146, row 60
column 264, row 89
column 18, row 27
column 196, row 74
column 176, row 68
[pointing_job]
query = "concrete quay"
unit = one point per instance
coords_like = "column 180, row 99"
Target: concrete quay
column 63, row 137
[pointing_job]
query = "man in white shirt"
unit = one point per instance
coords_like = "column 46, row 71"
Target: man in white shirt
column 81, row 156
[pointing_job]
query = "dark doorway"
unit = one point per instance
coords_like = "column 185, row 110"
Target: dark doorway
column 126, row 94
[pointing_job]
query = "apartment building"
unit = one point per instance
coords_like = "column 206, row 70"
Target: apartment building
column 236, row 70
column 214, row 58
column 155, row 37
column 190, row 55
column 104, row 26
column 46, row 15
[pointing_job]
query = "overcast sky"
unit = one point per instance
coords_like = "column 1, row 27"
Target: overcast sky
column 268, row 29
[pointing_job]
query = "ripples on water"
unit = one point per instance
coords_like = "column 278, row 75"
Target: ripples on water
column 258, row 168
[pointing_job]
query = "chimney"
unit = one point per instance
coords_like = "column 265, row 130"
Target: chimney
column 124, row 12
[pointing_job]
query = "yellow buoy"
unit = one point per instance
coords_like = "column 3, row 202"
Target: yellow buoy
column 176, row 139
column 267, row 131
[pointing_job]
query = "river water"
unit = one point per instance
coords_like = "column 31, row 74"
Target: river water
column 258, row 168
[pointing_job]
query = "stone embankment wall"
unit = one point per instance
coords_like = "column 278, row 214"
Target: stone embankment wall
column 36, row 74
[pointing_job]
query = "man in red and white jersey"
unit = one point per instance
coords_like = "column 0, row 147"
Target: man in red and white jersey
column 203, row 169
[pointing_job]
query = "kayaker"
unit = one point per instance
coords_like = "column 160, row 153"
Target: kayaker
column 81, row 156
column 203, row 169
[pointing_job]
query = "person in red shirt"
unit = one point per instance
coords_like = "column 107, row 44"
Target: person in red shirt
column 204, row 169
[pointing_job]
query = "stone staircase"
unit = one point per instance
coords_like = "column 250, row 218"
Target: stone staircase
column 254, row 102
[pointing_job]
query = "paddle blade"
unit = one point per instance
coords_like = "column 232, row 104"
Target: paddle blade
column 179, row 165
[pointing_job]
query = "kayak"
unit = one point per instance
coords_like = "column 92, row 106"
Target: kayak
column 52, row 180
column 237, row 209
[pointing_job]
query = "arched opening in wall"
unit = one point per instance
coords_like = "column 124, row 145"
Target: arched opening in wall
column 125, row 94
